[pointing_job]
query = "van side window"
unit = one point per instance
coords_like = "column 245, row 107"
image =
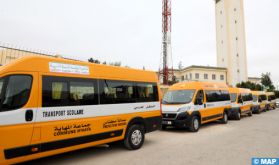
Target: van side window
column 247, row 97
column 116, row 92
column 61, row 91
column 217, row 95
column 15, row 91
column 82, row 93
column 146, row 92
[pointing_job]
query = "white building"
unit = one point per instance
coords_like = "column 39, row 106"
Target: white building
column 256, row 80
column 201, row 73
column 231, row 44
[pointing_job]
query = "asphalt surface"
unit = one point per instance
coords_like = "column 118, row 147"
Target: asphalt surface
column 215, row 143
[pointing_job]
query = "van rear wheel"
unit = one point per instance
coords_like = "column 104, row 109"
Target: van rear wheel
column 224, row 120
column 134, row 137
column 195, row 124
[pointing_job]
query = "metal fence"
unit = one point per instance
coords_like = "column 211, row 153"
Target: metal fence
column 9, row 53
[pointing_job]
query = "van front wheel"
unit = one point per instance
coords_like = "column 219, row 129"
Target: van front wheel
column 195, row 124
column 134, row 137
column 238, row 115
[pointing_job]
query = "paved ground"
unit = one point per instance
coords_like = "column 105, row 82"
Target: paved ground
column 215, row 143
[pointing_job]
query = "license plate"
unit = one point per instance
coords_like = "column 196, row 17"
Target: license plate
column 167, row 122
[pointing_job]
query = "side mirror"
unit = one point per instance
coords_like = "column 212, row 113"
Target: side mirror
column 240, row 101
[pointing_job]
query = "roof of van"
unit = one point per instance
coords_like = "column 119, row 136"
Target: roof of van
column 199, row 85
column 258, row 93
column 270, row 93
column 239, row 90
column 63, row 67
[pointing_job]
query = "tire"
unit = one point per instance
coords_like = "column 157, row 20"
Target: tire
column 195, row 124
column 238, row 115
column 250, row 113
column 224, row 120
column 258, row 110
column 134, row 137
column 163, row 127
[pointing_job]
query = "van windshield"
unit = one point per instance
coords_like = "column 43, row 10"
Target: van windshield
column 14, row 91
column 178, row 97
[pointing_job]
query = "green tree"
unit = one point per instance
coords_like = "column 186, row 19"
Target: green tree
column 266, row 81
column 92, row 60
column 250, row 85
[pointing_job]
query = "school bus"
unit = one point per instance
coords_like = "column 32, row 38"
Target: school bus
column 53, row 105
column 259, row 101
column 272, row 100
column 242, row 102
column 191, row 104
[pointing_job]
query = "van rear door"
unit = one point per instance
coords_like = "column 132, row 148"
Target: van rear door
column 18, row 94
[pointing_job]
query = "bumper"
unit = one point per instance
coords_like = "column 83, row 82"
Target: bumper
column 182, row 120
column 233, row 112
column 152, row 123
column 256, row 109
column 273, row 105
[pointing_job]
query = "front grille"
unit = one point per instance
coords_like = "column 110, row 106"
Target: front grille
column 169, row 115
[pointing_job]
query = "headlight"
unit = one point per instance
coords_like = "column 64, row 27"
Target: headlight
column 184, row 109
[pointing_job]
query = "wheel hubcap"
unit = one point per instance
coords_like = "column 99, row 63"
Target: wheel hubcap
column 136, row 137
column 196, row 124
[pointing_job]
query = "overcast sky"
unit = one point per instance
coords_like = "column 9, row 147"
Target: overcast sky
column 130, row 31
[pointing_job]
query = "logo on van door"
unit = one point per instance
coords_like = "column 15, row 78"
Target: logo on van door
column 114, row 123
column 71, row 129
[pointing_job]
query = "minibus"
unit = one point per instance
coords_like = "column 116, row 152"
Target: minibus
column 242, row 102
column 259, row 101
column 53, row 105
column 272, row 100
column 190, row 104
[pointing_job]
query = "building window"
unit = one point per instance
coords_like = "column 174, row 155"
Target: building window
column 205, row 76
column 238, row 71
column 221, row 12
column 186, row 77
column 222, row 77
column 223, row 60
column 235, row 21
column 237, row 55
column 190, row 76
column 197, row 76
column 236, row 38
column 234, row 9
column 182, row 78
column 213, row 77
column 221, row 26
column 222, row 42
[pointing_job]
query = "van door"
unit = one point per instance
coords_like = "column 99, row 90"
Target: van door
column 200, row 104
column 64, row 117
column 17, row 107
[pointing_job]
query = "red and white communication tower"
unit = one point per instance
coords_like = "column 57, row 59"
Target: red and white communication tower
column 166, row 69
